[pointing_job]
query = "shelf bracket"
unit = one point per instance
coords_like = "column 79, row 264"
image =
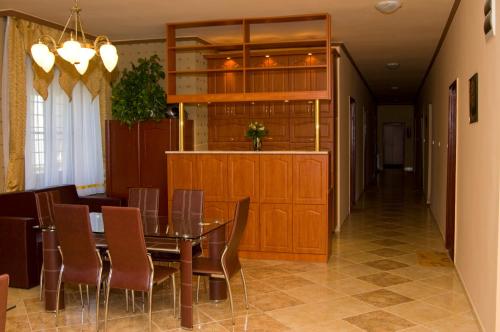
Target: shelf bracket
column 316, row 125
column 181, row 126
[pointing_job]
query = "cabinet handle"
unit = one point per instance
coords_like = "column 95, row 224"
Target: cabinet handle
column 271, row 110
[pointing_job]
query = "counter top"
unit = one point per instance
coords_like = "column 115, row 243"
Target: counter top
column 248, row 152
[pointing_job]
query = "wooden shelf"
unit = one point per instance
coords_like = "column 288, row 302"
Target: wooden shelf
column 285, row 67
column 216, row 47
column 287, row 44
column 249, row 97
column 204, row 71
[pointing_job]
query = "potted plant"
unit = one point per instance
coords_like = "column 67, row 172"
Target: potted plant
column 138, row 96
column 256, row 131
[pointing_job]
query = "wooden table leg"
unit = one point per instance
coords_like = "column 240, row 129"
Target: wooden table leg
column 51, row 267
column 216, row 244
column 186, row 284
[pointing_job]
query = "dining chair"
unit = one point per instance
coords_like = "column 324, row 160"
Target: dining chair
column 147, row 200
column 45, row 201
column 229, row 262
column 81, row 261
column 131, row 265
column 4, row 288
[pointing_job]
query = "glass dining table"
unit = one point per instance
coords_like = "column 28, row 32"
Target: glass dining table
column 173, row 235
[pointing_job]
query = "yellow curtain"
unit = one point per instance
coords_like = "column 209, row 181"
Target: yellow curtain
column 22, row 34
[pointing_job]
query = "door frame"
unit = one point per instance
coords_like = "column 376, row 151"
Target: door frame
column 352, row 141
column 430, row 144
column 403, row 125
column 451, row 166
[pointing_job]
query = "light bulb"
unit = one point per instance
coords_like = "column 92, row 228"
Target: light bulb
column 70, row 51
column 43, row 56
column 109, row 56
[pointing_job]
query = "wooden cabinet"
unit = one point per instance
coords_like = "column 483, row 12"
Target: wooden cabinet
column 310, row 224
column 227, row 130
column 277, row 130
column 226, row 110
column 229, row 146
column 264, row 110
column 276, row 227
column 310, row 179
column 251, row 236
column 243, row 177
column 275, row 179
column 302, row 130
column 215, row 210
column 211, row 176
column 185, row 173
column 135, row 156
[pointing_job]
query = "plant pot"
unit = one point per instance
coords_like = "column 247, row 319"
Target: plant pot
column 257, row 144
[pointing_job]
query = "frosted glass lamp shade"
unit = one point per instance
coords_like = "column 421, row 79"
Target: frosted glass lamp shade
column 82, row 66
column 87, row 53
column 70, row 51
column 43, row 56
column 109, row 56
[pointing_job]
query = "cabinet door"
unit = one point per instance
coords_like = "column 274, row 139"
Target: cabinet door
column 301, row 109
column 182, row 172
column 302, row 130
column 310, row 229
column 217, row 111
column 276, row 227
column 122, row 158
column 275, row 179
column 243, row 177
column 212, row 176
column 310, row 179
column 215, row 210
column 227, row 130
column 278, row 130
column 275, row 146
column 258, row 111
column 279, row 110
column 251, row 237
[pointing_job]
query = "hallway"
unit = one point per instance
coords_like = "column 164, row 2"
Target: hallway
column 388, row 272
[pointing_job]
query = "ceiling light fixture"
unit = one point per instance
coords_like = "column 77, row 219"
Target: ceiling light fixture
column 392, row 65
column 76, row 52
column 388, row 6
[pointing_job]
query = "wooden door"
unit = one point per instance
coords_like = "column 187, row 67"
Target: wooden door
column 451, row 170
column 352, row 113
column 258, row 111
column 182, row 173
column 276, row 227
column 243, row 177
column 212, row 176
column 278, row 130
column 302, row 130
column 227, row 130
column 122, row 158
column 279, row 110
column 394, row 140
column 310, row 179
column 310, row 229
column 275, row 179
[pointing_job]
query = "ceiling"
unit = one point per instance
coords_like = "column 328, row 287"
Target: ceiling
column 408, row 36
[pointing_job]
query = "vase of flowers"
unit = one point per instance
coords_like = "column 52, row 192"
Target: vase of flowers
column 256, row 131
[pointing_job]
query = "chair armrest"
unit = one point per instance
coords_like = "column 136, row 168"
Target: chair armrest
column 18, row 246
column 95, row 203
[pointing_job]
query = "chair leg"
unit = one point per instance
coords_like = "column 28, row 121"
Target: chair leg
column 150, row 298
column 198, row 290
column 42, row 280
column 97, row 296
column 59, row 282
column 88, row 297
column 81, row 294
column 230, row 294
column 126, row 299
column 143, row 303
column 133, row 302
column 173, row 289
column 106, row 305
column 244, row 288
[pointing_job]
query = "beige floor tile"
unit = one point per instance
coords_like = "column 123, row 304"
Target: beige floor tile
column 378, row 321
column 416, row 290
column 456, row 323
column 386, row 264
column 254, row 323
column 273, row 301
column 388, row 252
column 419, row 312
column 314, row 293
column 384, row 279
column 382, row 298
column 288, row 282
column 451, row 301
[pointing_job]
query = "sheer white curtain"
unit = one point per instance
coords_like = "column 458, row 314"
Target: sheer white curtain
column 63, row 138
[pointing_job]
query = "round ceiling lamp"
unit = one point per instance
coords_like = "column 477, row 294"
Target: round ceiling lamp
column 388, row 6
column 392, row 65
column 76, row 50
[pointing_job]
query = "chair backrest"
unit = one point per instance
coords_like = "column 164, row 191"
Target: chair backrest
column 187, row 205
column 74, row 232
column 45, row 206
column 146, row 199
column 130, row 265
column 230, row 257
column 4, row 288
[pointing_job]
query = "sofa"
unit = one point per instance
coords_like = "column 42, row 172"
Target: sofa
column 20, row 256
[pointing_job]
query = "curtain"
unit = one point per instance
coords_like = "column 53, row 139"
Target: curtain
column 63, row 137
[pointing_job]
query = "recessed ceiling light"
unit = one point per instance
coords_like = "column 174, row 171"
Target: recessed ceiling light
column 395, row 88
column 392, row 65
column 388, row 6
column 267, row 55
column 228, row 58
column 309, row 53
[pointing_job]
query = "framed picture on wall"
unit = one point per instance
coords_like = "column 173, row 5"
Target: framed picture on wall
column 473, row 99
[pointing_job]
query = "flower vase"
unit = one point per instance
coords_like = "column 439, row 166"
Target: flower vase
column 257, row 144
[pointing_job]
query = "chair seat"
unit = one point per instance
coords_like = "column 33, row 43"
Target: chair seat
column 162, row 273
column 205, row 265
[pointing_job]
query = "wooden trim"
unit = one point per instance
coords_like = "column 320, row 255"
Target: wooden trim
column 138, row 41
column 451, row 168
column 349, row 56
column 248, row 97
column 446, row 28
column 352, row 155
column 38, row 20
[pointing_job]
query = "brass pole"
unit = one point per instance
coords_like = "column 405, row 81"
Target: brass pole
column 316, row 124
column 181, row 126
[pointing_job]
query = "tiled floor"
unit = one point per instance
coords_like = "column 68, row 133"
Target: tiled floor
column 389, row 272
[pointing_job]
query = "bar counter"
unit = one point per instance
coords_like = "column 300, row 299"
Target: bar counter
column 291, row 199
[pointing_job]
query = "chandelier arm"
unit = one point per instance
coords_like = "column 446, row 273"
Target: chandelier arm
column 100, row 40
column 49, row 40
column 84, row 39
column 65, row 28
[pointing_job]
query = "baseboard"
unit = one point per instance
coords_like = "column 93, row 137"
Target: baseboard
column 469, row 299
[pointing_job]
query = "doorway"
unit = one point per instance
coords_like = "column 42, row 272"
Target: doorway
column 394, row 144
column 451, row 170
column 429, row 153
column 352, row 111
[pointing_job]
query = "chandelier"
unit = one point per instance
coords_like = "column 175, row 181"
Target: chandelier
column 76, row 50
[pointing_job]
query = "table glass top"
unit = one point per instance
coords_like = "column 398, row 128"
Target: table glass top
column 167, row 227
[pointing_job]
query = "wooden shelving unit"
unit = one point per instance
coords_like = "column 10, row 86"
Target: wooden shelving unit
column 241, row 43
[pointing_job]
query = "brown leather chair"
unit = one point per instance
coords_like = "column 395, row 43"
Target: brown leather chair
column 131, row 265
column 81, row 261
column 45, row 211
column 229, row 262
column 187, row 205
column 4, row 288
column 146, row 199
